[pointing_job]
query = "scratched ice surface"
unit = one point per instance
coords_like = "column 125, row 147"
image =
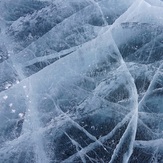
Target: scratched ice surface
column 81, row 81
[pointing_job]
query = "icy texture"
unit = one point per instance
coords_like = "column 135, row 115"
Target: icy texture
column 81, row 81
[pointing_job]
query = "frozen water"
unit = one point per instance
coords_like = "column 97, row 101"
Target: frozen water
column 81, row 81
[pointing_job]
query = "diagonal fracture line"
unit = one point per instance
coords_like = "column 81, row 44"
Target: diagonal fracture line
column 35, row 41
column 134, row 118
column 98, row 6
column 58, row 24
column 78, row 126
column 95, row 144
column 148, row 44
column 78, row 147
column 149, row 87
column 68, row 18
column 149, row 130
column 11, row 144
column 99, row 97
column 112, row 26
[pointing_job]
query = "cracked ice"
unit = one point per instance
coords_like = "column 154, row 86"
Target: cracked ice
column 81, row 81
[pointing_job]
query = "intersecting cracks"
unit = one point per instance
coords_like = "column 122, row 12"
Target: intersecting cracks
column 150, row 86
column 76, row 124
column 149, row 129
column 88, row 92
column 149, row 46
column 55, row 26
column 97, row 142
column 102, row 139
column 151, row 147
column 78, row 148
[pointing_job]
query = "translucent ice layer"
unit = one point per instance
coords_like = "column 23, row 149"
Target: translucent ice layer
column 81, row 81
